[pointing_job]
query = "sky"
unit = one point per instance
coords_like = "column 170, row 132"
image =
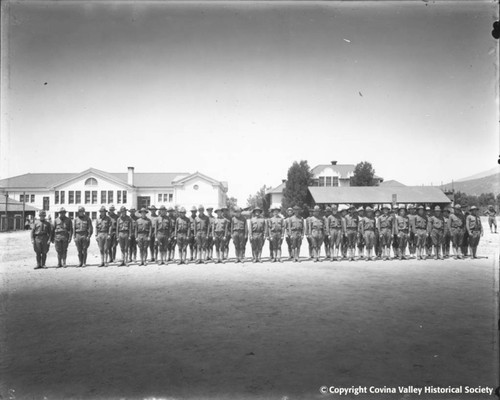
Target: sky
column 241, row 90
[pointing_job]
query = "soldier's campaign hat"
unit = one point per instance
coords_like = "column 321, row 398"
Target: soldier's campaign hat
column 420, row 207
column 210, row 208
column 473, row 208
column 143, row 209
column 200, row 207
column 62, row 209
column 328, row 208
column 81, row 209
column 335, row 207
column 123, row 208
column 402, row 207
column 437, row 208
column 360, row 209
column 289, row 209
column 316, row 208
column 352, row 206
column 162, row 207
column 296, row 208
column 457, row 206
column 194, row 209
column 112, row 207
column 132, row 210
column 218, row 209
column 411, row 206
column 42, row 212
column 446, row 209
column 237, row 209
column 182, row 210
column 103, row 209
column 257, row 209
column 385, row 206
column 368, row 209
column 152, row 207
column 427, row 208
column 490, row 206
column 171, row 209
column 275, row 207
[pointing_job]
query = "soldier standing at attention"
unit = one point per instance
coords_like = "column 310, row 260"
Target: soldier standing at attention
column 239, row 233
column 82, row 231
column 288, row 239
column 210, row 240
column 153, row 244
column 275, row 232
column 465, row 242
column 124, row 226
column 41, row 234
column 419, row 229
column 411, row 237
column 192, row 240
column 378, row 247
column 257, row 230
column 182, row 234
column 385, row 226
column 328, row 253
column 161, row 229
column 401, row 230
column 112, row 238
column 316, row 232
column 334, row 232
column 435, row 229
column 219, row 230
column 143, row 233
column 456, row 223
column 395, row 244
column 428, row 242
column 201, row 229
column 367, row 229
column 447, row 235
column 296, row 229
column 103, row 228
column 492, row 218
column 475, row 230
column 344, row 244
column 308, row 235
column 351, row 229
column 62, row 233
column 171, row 239
column 227, row 240
column 360, row 241
column 132, row 245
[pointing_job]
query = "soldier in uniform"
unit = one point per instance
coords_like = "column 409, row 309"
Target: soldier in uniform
column 82, row 232
column 435, row 229
column 309, row 239
column 227, row 240
column 395, row 243
column 344, row 243
column 171, row 240
column 447, row 234
column 62, row 232
column 143, row 233
column 210, row 240
column 428, row 242
column 288, row 239
column 182, row 234
column 41, row 234
column 161, row 228
column 351, row 230
column 192, row 240
column 219, row 230
column 296, row 229
column 239, row 233
column 412, row 243
column 456, row 224
column 492, row 218
column 360, row 242
column 257, row 230
column 132, row 245
column 112, row 237
column 328, row 253
column 334, row 232
column 316, row 232
column 385, row 226
column 465, row 241
column 401, row 230
column 153, row 244
column 201, row 229
column 275, row 233
column 124, row 226
column 475, row 230
column 367, row 226
column 103, row 228
column 419, row 229
column 378, row 246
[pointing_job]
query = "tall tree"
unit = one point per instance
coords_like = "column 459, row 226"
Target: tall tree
column 259, row 199
column 296, row 191
column 363, row 175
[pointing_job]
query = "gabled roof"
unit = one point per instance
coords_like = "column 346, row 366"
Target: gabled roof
column 344, row 170
column 152, row 179
column 378, row 194
column 34, row 181
column 15, row 206
column 197, row 174
column 391, row 182
column 277, row 189
column 92, row 171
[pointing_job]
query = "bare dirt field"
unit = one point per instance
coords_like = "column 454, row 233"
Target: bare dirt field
column 270, row 331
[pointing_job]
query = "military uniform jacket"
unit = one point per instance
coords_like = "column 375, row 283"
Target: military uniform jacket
column 124, row 224
column 334, row 221
column 103, row 225
column 490, row 213
column 402, row 223
column 351, row 222
column 114, row 218
column 162, row 224
column 316, row 224
column 420, row 222
column 62, row 226
column 41, row 229
column 201, row 224
column 435, row 222
column 257, row 225
column 220, row 225
column 83, row 226
column 474, row 223
column 134, row 223
column 182, row 225
column 276, row 225
column 296, row 224
column 367, row 224
column 192, row 222
column 457, row 221
column 385, row 221
column 143, row 226
column 238, row 224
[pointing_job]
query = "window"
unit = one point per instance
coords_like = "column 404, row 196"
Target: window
column 328, row 181
column 78, row 197
column 321, row 181
column 63, row 195
column 94, row 196
column 91, row 182
column 170, row 197
column 56, row 197
column 21, row 198
column 143, row 201
column 46, row 203
column 160, row 197
column 32, row 198
column 71, row 197
column 94, row 214
column 118, row 196
column 87, row 196
column 335, row 181
column 103, row 196
column 124, row 197
column 110, row 196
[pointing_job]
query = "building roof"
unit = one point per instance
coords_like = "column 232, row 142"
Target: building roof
column 277, row 189
column 378, row 194
column 344, row 170
column 391, row 182
column 15, row 206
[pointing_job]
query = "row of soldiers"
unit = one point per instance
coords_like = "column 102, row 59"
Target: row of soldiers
column 342, row 230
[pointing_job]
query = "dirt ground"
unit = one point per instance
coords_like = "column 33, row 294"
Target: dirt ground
column 268, row 331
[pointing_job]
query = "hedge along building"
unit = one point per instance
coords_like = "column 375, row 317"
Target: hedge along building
column 93, row 188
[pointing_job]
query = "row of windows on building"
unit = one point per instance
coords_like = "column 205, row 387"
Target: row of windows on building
column 75, row 197
column 326, row 181
column 27, row 198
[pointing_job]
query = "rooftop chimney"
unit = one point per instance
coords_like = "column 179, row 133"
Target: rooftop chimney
column 130, row 176
column 334, row 162
column 283, row 181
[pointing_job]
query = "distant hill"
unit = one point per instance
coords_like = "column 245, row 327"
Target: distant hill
column 476, row 186
column 484, row 174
